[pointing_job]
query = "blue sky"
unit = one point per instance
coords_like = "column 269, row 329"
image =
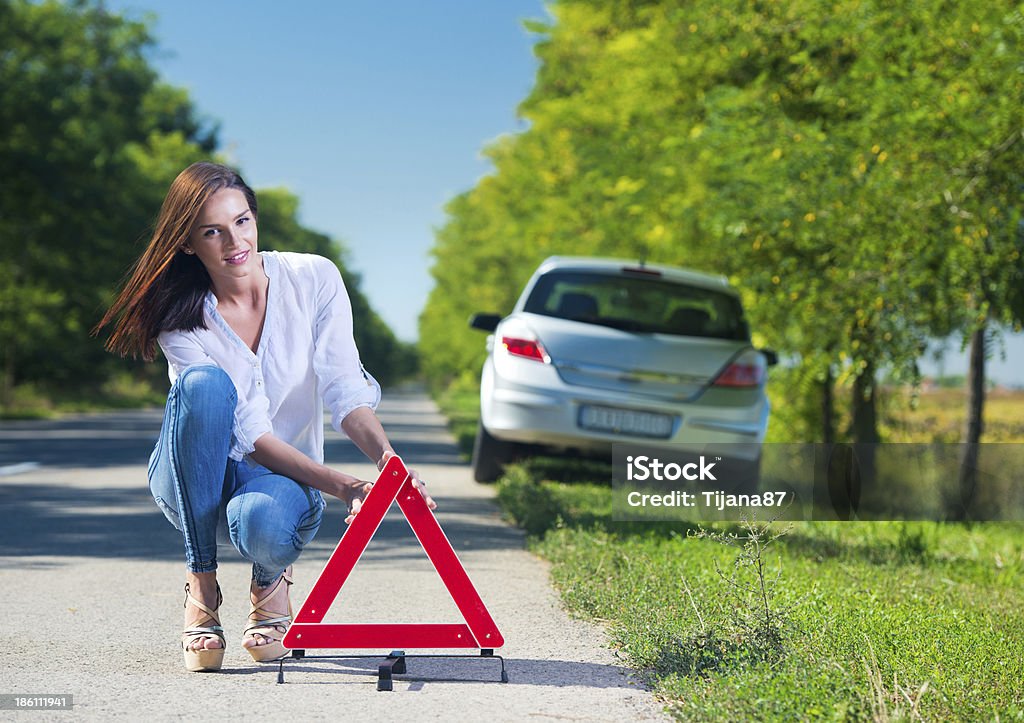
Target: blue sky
column 374, row 113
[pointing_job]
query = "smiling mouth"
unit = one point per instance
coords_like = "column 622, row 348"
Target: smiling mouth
column 238, row 258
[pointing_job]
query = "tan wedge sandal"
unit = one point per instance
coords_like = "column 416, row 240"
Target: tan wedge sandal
column 269, row 624
column 203, row 659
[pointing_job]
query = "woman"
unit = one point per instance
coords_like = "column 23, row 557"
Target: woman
column 256, row 344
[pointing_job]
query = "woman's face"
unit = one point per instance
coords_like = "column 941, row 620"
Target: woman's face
column 224, row 235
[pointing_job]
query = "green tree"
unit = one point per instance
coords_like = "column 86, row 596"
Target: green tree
column 89, row 138
column 982, row 197
column 802, row 149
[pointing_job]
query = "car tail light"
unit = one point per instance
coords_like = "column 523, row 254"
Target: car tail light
column 526, row 348
column 749, row 369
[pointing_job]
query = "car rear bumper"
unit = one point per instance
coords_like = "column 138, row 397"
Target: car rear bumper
column 549, row 416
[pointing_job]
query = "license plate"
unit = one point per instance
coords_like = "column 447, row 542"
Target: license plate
column 625, row 421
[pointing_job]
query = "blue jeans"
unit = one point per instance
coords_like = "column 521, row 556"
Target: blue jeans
column 205, row 494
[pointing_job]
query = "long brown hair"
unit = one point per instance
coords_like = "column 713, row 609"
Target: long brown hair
column 166, row 287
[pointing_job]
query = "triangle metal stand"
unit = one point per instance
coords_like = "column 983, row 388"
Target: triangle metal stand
column 394, row 663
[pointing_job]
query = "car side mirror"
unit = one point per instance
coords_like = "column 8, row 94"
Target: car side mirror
column 484, row 322
column 770, row 356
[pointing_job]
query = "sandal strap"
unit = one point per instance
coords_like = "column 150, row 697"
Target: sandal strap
column 189, row 599
column 212, row 631
column 274, row 619
column 258, row 605
column 270, row 613
column 270, row 624
column 191, row 635
column 272, row 633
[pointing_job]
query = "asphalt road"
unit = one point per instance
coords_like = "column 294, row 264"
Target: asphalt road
column 92, row 576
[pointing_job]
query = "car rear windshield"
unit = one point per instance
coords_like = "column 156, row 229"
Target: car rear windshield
column 638, row 303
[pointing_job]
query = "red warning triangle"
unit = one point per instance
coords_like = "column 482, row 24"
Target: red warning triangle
column 309, row 630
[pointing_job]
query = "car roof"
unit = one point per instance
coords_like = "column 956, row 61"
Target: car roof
column 611, row 265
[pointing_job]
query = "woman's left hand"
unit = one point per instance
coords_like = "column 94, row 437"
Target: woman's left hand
column 355, row 502
column 414, row 475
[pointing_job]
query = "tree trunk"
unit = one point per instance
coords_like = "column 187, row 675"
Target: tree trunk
column 828, row 409
column 7, row 378
column 973, row 428
column 864, row 426
column 865, row 419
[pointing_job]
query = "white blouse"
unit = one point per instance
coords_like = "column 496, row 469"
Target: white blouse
column 306, row 357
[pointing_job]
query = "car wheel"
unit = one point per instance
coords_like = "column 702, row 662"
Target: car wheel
column 490, row 455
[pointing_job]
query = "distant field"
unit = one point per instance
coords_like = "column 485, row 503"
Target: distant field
column 940, row 415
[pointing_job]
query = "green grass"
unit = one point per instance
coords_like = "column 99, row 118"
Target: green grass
column 461, row 404
column 878, row 621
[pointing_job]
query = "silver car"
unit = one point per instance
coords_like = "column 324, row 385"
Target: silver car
column 599, row 351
